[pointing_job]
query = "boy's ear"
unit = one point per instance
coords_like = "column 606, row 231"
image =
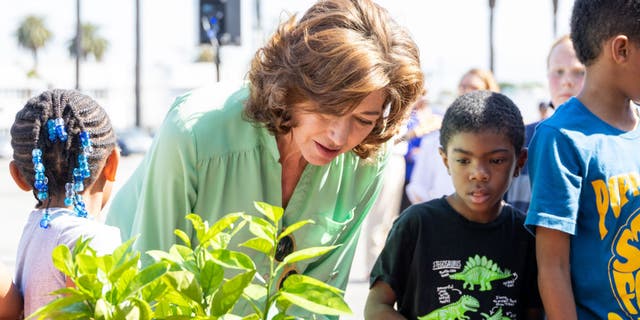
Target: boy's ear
column 520, row 162
column 111, row 165
column 443, row 154
column 17, row 176
column 620, row 46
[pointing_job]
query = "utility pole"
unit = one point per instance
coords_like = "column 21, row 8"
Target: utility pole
column 78, row 41
column 138, row 115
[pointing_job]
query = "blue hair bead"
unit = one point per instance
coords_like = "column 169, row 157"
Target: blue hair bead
column 45, row 221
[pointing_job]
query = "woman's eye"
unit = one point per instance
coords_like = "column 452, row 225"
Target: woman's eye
column 364, row 121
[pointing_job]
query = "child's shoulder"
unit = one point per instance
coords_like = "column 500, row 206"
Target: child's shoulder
column 431, row 210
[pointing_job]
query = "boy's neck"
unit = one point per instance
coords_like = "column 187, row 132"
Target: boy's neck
column 602, row 96
column 472, row 215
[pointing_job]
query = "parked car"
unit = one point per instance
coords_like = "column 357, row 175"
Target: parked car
column 133, row 141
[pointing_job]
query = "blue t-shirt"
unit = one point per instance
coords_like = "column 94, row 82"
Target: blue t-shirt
column 585, row 177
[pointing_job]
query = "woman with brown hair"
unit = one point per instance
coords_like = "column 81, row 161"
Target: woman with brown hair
column 307, row 133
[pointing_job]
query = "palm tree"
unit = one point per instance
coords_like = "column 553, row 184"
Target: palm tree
column 492, row 5
column 90, row 43
column 33, row 35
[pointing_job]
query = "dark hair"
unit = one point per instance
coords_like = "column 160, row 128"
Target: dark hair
column 595, row 21
column 482, row 110
column 80, row 113
column 335, row 56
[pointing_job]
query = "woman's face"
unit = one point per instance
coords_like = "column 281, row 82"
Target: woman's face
column 565, row 73
column 322, row 137
column 471, row 82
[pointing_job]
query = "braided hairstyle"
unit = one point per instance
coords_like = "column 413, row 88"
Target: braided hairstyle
column 80, row 113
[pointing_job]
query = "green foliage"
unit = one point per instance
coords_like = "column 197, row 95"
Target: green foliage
column 33, row 34
column 91, row 43
column 202, row 280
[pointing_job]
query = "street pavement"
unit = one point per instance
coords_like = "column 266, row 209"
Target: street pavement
column 17, row 204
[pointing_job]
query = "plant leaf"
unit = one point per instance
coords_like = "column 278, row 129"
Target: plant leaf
column 211, row 276
column 304, row 254
column 230, row 292
column 233, row 259
column 61, row 256
column 183, row 236
column 260, row 245
column 274, row 213
column 145, row 277
column 290, row 229
column 314, row 295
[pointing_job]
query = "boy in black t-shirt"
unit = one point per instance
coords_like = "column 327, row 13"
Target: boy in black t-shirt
column 467, row 255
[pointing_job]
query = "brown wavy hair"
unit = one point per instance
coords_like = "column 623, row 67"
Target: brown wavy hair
column 338, row 53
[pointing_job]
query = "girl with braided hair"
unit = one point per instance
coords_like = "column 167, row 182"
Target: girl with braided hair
column 64, row 151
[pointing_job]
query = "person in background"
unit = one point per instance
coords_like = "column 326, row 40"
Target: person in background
column 466, row 255
column 565, row 76
column 10, row 297
column 308, row 133
column 429, row 178
column 65, row 153
column 477, row 79
column 585, row 174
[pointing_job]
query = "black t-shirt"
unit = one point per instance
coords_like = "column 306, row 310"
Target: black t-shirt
column 439, row 262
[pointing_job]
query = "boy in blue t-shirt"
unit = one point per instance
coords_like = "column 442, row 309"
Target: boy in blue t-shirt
column 584, row 166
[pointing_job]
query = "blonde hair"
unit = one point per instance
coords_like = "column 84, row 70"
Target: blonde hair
column 487, row 79
column 336, row 55
column 557, row 42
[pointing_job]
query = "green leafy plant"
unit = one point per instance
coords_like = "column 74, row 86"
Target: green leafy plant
column 106, row 287
column 202, row 280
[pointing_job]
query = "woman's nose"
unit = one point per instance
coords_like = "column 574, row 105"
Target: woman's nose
column 339, row 130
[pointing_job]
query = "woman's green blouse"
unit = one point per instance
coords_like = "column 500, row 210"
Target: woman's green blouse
column 208, row 159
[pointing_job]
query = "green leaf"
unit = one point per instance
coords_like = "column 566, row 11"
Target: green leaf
column 319, row 303
column 90, row 284
column 122, row 266
column 183, row 236
column 183, row 282
column 153, row 291
column 86, row 264
column 261, row 228
column 260, row 245
column 122, row 252
column 233, row 259
column 226, row 297
column 103, row 309
column 252, row 316
column 144, row 310
column 304, row 254
column 282, row 316
column 71, row 307
column 181, row 251
column 314, row 295
column 222, row 224
column 274, row 213
column 290, row 229
column 145, row 277
column 61, row 256
column 159, row 255
column 255, row 292
column 211, row 276
column 198, row 225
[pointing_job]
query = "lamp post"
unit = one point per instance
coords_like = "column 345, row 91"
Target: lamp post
column 212, row 27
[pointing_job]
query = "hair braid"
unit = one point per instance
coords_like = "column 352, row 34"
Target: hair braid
column 80, row 113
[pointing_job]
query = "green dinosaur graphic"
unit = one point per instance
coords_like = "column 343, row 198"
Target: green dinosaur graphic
column 454, row 311
column 480, row 271
column 496, row 316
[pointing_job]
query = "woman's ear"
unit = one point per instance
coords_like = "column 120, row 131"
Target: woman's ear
column 18, row 178
column 111, row 165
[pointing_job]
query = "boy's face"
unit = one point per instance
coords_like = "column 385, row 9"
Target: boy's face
column 481, row 166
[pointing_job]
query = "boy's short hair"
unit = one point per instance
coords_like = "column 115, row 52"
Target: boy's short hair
column 479, row 111
column 595, row 21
